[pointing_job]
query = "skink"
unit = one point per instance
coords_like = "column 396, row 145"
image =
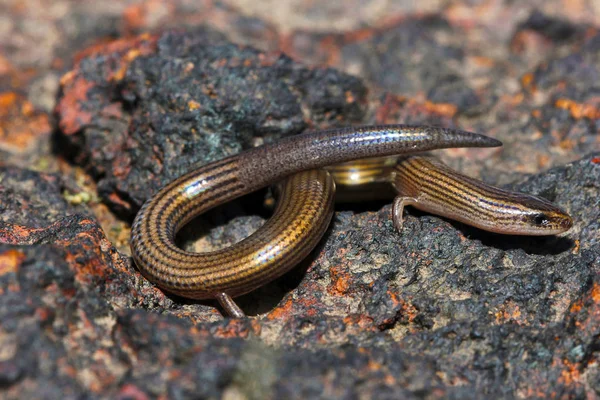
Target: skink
column 298, row 223
column 427, row 184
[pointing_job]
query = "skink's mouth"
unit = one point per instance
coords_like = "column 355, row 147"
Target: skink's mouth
column 566, row 223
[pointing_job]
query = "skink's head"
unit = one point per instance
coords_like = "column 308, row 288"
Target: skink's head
column 534, row 216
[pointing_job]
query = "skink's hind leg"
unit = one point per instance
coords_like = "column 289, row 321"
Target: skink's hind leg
column 398, row 209
column 230, row 306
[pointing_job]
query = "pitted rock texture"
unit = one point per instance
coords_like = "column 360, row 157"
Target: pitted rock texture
column 439, row 310
column 186, row 99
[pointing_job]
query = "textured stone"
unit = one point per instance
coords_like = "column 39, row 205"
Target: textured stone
column 439, row 310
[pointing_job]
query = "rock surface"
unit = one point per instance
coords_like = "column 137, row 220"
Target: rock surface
column 439, row 310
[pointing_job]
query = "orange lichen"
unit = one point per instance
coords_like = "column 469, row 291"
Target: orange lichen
column 237, row 328
column 130, row 391
column 20, row 125
column 282, row 311
column 6, row 101
column 193, row 105
column 578, row 110
column 5, row 66
column 10, row 261
column 72, row 116
column 509, row 312
column 446, row 109
column 567, row 144
column 528, row 82
column 570, row 374
column 361, row 321
column 145, row 42
column 76, row 87
column 340, row 282
column 115, row 199
column 595, row 293
column 543, row 160
column 484, row 61
column 580, row 303
column 392, row 105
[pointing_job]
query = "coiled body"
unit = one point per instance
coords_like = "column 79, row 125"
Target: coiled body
column 272, row 250
column 303, row 211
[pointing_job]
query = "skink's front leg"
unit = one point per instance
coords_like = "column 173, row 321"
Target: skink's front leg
column 398, row 209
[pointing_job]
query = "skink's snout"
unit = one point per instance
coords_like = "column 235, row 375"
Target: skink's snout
column 563, row 221
column 547, row 219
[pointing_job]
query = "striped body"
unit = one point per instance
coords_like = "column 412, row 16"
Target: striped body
column 363, row 180
column 429, row 185
column 301, row 217
column 298, row 223
column 362, row 172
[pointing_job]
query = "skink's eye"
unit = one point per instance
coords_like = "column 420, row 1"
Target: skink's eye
column 540, row 219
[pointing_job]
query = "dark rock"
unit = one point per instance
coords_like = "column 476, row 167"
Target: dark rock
column 409, row 59
column 189, row 99
column 439, row 310
column 555, row 29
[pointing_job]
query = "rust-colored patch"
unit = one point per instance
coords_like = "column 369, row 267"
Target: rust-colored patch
column 43, row 314
column 595, row 294
column 193, row 105
column 340, row 282
column 446, row 109
column 10, row 261
column 509, row 312
column 570, row 374
column 514, row 100
column 5, row 66
column 282, row 311
column 373, row 365
column 578, row 110
column 544, row 160
column 392, row 105
column 20, row 125
column 72, row 116
column 578, row 305
column 146, row 41
column 17, row 234
column 135, row 16
column 237, row 328
column 596, row 160
column 7, row 100
column 527, row 81
column 390, row 380
column 127, row 59
column 312, row 306
column 132, row 392
column 361, row 321
column 115, row 199
column 482, row 61
column 567, row 144
column 408, row 311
